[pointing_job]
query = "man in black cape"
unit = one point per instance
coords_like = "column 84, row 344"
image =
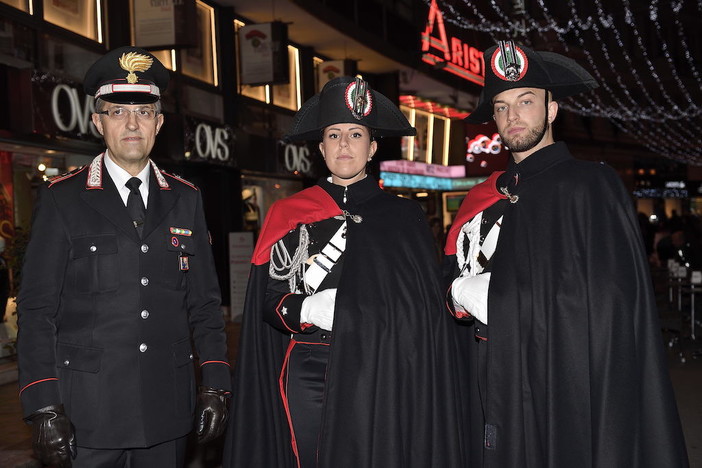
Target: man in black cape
column 571, row 372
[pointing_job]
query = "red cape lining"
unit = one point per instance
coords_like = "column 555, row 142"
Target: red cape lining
column 479, row 198
column 308, row 206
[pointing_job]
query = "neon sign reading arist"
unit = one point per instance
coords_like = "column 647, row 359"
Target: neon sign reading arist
column 450, row 53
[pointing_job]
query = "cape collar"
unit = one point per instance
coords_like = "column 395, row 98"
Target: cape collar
column 479, row 198
column 96, row 169
column 356, row 193
column 538, row 161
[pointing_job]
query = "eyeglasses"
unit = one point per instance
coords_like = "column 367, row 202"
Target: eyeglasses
column 120, row 113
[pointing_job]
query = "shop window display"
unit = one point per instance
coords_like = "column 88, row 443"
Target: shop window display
column 78, row 16
column 200, row 62
column 19, row 4
column 259, row 193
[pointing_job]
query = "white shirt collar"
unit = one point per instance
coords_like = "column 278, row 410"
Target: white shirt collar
column 120, row 177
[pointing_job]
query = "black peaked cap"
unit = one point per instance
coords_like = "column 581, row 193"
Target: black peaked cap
column 127, row 75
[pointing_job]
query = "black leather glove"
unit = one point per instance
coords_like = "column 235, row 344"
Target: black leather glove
column 53, row 438
column 212, row 412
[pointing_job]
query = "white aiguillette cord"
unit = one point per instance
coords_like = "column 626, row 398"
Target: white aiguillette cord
column 478, row 254
column 321, row 264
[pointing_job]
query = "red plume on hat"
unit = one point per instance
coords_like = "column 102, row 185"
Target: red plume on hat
column 508, row 66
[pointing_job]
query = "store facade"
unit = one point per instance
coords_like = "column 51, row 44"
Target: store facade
column 46, row 127
column 228, row 105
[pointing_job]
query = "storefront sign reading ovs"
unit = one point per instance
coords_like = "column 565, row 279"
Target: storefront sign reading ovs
column 208, row 140
column 212, row 142
column 69, row 114
column 297, row 159
column 61, row 108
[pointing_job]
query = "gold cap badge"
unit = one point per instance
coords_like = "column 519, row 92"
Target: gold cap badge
column 133, row 62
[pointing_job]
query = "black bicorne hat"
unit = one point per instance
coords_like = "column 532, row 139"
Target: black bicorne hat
column 348, row 100
column 508, row 66
column 127, row 75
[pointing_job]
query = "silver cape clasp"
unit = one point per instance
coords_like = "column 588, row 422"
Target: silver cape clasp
column 355, row 218
column 510, row 197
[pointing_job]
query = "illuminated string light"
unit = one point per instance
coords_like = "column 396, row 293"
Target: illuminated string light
column 642, row 96
column 678, row 144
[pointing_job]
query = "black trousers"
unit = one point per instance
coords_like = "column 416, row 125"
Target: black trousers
column 477, row 395
column 303, row 393
column 169, row 454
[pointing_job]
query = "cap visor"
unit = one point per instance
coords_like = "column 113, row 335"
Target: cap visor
column 129, row 98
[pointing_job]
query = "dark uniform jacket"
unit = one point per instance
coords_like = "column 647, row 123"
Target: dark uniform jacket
column 105, row 318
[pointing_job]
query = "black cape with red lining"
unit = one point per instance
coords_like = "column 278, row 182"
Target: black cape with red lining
column 576, row 371
column 392, row 395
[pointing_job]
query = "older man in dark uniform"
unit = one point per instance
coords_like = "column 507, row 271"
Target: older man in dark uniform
column 118, row 282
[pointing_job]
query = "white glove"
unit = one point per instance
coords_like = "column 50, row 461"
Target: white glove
column 471, row 295
column 318, row 309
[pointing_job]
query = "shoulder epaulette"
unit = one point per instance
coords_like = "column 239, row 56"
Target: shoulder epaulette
column 65, row 176
column 180, row 179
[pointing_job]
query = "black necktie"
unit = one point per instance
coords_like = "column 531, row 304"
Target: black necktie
column 135, row 204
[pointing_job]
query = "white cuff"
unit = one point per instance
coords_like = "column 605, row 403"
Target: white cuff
column 318, row 309
column 471, row 294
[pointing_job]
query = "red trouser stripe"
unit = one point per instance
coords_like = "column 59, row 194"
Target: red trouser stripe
column 283, row 384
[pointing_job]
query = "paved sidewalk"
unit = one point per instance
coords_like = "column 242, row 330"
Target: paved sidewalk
column 15, row 436
column 687, row 381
